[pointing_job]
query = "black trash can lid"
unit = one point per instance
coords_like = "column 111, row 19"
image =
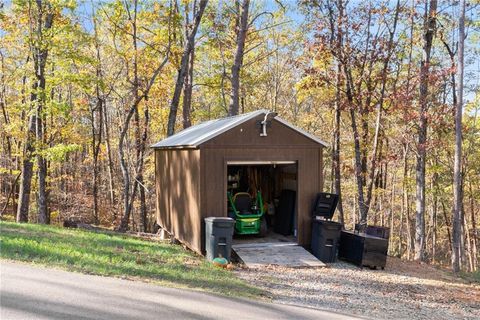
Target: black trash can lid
column 325, row 205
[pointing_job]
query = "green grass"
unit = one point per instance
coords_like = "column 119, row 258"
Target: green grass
column 471, row 276
column 476, row 276
column 117, row 255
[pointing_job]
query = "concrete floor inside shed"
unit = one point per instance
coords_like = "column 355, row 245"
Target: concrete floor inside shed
column 271, row 237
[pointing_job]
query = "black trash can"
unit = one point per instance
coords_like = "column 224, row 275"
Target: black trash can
column 325, row 240
column 218, row 237
column 325, row 233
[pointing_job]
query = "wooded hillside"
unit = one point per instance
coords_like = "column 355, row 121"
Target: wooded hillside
column 87, row 86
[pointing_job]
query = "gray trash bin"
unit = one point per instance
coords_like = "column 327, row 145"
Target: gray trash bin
column 218, row 237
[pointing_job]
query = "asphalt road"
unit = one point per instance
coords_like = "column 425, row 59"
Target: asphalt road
column 32, row 292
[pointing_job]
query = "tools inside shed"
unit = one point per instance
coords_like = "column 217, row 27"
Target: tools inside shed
column 261, row 198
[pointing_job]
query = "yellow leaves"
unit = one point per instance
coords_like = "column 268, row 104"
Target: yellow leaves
column 69, row 4
column 11, row 128
column 323, row 60
column 58, row 152
column 312, row 85
column 54, row 215
column 12, row 173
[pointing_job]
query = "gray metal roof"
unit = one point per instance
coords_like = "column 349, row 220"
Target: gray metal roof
column 196, row 135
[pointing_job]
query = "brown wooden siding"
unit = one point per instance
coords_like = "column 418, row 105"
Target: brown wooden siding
column 248, row 135
column 178, row 194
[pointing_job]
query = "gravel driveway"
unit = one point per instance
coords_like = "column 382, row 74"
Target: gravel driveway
column 404, row 290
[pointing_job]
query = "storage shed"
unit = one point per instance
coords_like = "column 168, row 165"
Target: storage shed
column 196, row 167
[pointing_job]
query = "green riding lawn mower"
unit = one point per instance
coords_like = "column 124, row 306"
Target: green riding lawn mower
column 249, row 213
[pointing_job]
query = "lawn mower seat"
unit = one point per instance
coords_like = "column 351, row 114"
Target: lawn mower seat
column 243, row 202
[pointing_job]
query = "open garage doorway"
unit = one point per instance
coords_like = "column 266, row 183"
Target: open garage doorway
column 266, row 188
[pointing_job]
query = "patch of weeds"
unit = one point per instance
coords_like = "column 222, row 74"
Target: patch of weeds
column 471, row 276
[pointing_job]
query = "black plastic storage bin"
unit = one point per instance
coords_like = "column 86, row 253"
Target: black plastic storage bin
column 325, row 240
column 218, row 237
column 363, row 249
column 285, row 213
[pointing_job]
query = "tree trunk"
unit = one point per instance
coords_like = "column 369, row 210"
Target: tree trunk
column 457, row 169
column 109, row 157
column 406, row 197
column 182, row 71
column 188, row 86
column 378, row 120
column 141, row 159
column 449, row 234
column 10, row 194
column 429, row 31
column 392, row 205
column 474, row 228
column 238, row 61
column 36, row 130
column 363, row 209
column 127, row 201
column 27, row 172
column 43, row 214
column 434, row 216
column 129, row 198
column 187, row 93
column 406, row 204
column 41, row 55
column 468, row 245
column 358, row 173
column 336, row 149
column 143, row 206
column 97, row 123
column 8, row 142
column 96, row 126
